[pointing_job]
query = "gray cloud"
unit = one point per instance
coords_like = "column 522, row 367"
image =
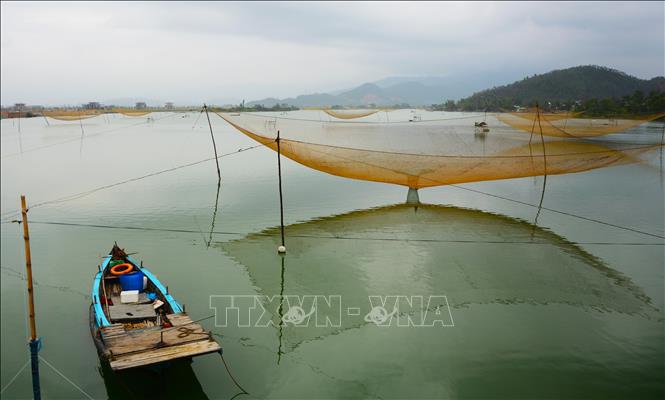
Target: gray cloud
column 194, row 52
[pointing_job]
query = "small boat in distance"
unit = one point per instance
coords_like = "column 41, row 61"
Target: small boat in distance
column 135, row 322
column 481, row 127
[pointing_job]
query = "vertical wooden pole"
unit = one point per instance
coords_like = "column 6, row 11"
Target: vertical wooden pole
column 82, row 133
column 533, row 127
column 28, row 268
column 81, row 122
column 214, row 146
column 542, row 141
column 35, row 343
column 282, row 248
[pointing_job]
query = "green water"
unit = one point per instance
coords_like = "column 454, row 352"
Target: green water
column 561, row 308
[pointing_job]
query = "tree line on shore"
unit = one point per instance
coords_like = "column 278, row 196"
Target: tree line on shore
column 635, row 104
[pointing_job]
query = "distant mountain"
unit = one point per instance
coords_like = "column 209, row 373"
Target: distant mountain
column 413, row 93
column 306, row 100
column 571, row 84
column 577, row 83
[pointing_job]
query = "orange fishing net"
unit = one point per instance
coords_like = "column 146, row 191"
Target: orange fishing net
column 567, row 125
column 349, row 114
column 72, row 115
column 430, row 153
column 131, row 112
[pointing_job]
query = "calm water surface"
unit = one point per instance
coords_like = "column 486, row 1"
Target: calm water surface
column 561, row 307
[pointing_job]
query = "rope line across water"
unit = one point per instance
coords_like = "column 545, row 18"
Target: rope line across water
column 15, row 376
column 560, row 212
column 65, row 378
column 91, row 191
column 387, row 239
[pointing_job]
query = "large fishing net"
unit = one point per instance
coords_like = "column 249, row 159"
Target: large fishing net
column 131, row 112
column 72, row 115
column 571, row 125
column 430, row 152
column 349, row 114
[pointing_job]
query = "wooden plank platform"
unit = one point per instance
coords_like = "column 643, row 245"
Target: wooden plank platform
column 164, row 354
column 153, row 345
column 113, row 330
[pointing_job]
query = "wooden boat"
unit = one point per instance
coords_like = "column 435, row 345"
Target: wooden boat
column 153, row 330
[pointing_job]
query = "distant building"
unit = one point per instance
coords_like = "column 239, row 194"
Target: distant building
column 93, row 105
column 168, row 105
column 141, row 105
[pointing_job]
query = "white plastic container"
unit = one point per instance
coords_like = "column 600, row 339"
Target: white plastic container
column 129, row 296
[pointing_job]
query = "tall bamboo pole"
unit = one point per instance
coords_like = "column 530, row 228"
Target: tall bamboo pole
column 214, row 146
column 35, row 343
column 28, row 269
column 282, row 248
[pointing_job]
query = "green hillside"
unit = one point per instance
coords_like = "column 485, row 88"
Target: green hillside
column 562, row 89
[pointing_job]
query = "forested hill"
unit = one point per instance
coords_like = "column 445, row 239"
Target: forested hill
column 565, row 85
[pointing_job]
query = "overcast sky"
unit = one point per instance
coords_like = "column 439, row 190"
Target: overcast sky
column 68, row 53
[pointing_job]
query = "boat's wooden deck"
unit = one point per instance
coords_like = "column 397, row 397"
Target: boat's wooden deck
column 128, row 349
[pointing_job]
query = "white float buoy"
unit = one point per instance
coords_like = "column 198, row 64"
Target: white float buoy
column 281, row 249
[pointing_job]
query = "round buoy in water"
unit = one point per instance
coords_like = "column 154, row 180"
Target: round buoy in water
column 281, row 249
